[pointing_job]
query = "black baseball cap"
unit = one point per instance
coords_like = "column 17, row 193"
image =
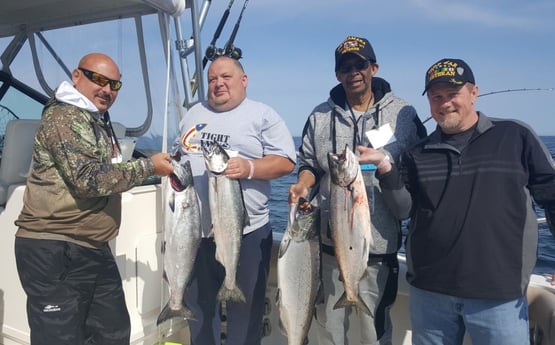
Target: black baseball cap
column 453, row 71
column 354, row 45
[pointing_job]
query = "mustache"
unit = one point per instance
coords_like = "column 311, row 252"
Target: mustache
column 106, row 96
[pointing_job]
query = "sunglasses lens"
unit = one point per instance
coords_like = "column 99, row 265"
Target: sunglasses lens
column 115, row 85
column 99, row 79
column 361, row 65
column 358, row 66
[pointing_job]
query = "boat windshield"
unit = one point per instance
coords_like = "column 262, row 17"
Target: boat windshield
column 17, row 101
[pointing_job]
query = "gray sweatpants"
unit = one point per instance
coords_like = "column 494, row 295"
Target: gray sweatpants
column 378, row 290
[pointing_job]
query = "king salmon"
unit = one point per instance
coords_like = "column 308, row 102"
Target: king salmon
column 299, row 271
column 350, row 225
column 182, row 237
column 229, row 217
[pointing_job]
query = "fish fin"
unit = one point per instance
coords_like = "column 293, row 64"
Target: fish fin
column 320, row 298
column 328, row 230
column 218, row 258
column 340, row 278
column 188, row 313
column 359, row 304
column 366, row 251
column 282, row 327
column 171, row 202
column 284, row 245
column 293, row 211
column 167, row 314
column 235, row 294
column 363, row 307
column 342, row 302
column 246, row 219
column 278, row 296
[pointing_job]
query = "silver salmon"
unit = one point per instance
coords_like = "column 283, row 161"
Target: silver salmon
column 182, row 236
column 229, row 217
column 350, row 225
column 299, row 271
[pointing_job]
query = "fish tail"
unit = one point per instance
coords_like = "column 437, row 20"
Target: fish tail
column 343, row 302
column 235, row 294
column 168, row 313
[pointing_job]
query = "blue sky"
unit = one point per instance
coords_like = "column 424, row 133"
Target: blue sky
column 289, row 45
column 288, row 50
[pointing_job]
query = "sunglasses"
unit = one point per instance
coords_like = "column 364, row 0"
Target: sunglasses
column 101, row 80
column 357, row 66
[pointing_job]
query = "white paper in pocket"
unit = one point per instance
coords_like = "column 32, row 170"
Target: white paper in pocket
column 381, row 136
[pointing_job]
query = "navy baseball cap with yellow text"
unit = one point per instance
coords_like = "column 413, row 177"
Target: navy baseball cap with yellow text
column 453, row 71
column 354, row 45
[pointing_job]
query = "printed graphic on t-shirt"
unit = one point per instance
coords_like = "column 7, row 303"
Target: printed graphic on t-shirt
column 198, row 135
column 188, row 137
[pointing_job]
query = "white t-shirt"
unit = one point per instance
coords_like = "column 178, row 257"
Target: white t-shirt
column 253, row 130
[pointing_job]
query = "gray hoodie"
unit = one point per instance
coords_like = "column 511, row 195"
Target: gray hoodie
column 330, row 127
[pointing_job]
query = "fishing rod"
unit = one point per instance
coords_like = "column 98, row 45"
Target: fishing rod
column 229, row 49
column 211, row 49
column 513, row 90
column 503, row 91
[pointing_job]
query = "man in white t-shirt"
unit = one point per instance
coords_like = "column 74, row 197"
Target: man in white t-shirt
column 264, row 151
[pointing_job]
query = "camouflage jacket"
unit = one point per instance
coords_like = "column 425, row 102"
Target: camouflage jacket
column 73, row 189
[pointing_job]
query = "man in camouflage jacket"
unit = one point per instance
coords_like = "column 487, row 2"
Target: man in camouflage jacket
column 72, row 208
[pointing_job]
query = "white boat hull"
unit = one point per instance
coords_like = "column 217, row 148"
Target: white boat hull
column 137, row 251
column 138, row 254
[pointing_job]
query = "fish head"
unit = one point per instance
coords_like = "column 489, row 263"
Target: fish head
column 304, row 220
column 182, row 175
column 215, row 157
column 302, row 206
column 343, row 166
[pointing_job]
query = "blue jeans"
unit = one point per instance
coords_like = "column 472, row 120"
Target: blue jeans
column 439, row 319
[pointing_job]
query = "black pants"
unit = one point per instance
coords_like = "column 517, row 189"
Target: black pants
column 244, row 320
column 74, row 294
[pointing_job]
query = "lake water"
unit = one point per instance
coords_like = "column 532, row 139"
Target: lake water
column 279, row 210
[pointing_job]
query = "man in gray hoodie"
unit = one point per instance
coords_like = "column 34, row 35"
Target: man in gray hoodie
column 361, row 111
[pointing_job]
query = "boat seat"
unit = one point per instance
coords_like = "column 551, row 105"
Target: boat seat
column 16, row 155
column 18, row 152
column 119, row 129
